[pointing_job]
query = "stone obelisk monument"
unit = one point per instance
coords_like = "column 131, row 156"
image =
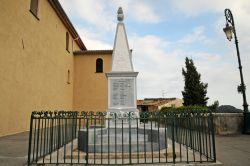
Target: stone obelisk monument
column 122, row 119
column 122, row 79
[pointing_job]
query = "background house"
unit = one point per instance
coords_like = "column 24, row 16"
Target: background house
column 154, row 104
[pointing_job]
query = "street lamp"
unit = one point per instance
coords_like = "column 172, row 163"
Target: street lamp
column 230, row 31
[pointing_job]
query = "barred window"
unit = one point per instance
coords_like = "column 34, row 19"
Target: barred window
column 99, row 65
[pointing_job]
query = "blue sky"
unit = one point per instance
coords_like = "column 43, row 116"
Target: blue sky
column 162, row 33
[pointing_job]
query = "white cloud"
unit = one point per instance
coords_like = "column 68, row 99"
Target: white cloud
column 205, row 56
column 99, row 18
column 140, row 11
column 103, row 13
column 157, row 69
column 96, row 13
column 160, row 70
column 92, row 40
column 194, row 7
column 144, row 13
column 197, row 35
column 222, row 82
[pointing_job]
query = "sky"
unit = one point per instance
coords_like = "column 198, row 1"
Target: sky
column 162, row 33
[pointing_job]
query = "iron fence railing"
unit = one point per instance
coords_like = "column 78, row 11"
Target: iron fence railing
column 70, row 137
column 195, row 131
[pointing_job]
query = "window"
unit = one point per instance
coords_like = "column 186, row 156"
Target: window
column 34, row 7
column 68, row 77
column 99, row 65
column 67, row 41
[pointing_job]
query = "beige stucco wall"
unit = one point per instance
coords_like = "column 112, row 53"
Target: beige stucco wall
column 34, row 64
column 228, row 123
column 90, row 88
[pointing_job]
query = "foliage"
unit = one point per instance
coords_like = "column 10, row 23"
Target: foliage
column 195, row 91
column 214, row 106
column 190, row 108
column 227, row 109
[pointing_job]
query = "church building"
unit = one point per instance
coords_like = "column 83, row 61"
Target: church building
column 45, row 64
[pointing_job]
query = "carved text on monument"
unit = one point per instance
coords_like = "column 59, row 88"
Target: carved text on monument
column 122, row 90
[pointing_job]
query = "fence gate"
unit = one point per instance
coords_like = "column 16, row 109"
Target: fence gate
column 67, row 137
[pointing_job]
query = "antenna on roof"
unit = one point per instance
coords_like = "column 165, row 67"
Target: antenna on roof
column 163, row 93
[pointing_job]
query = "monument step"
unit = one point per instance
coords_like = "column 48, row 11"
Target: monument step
column 119, row 138
column 139, row 130
column 154, row 135
column 133, row 147
column 112, row 141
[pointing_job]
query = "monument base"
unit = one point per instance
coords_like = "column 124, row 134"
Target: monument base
column 118, row 118
column 111, row 140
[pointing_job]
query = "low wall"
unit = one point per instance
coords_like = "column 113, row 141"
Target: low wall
column 228, row 123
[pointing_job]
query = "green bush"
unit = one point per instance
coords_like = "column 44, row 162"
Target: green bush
column 190, row 108
column 214, row 106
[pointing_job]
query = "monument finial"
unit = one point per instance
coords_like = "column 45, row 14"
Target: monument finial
column 120, row 15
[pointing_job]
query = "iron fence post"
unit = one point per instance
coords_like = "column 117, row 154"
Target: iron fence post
column 130, row 160
column 173, row 137
column 213, row 136
column 87, row 140
column 37, row 142
column 30, row 138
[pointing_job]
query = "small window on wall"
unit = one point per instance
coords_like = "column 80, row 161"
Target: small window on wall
column 68, row 77
column 67, row 41
column 34, row 7
column 99, row 65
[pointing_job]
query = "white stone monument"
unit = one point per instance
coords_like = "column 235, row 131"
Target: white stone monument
column 122, row 80
column 122, row 130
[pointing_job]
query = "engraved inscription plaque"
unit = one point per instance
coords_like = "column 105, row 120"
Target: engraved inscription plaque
column 122, row 92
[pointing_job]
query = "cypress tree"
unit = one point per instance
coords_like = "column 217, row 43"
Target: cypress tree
column 195, row 91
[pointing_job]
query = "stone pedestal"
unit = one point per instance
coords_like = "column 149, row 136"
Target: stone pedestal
column 104, row 140
column 122, row 104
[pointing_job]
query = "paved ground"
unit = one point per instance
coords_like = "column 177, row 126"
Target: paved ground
column 14, row 149
column 231, row 150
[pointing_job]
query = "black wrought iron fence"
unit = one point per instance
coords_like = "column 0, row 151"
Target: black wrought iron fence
column 121, row 138
column 49, row 131
column 193, row 130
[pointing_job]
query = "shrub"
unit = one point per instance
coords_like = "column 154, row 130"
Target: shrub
column 214, row 106
column 190, row 108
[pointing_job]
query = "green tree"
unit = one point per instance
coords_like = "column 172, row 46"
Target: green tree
column 214, row 106
column 195, row 91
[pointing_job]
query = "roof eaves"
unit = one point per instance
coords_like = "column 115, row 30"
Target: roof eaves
column 92, row 52
column 66, row 21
